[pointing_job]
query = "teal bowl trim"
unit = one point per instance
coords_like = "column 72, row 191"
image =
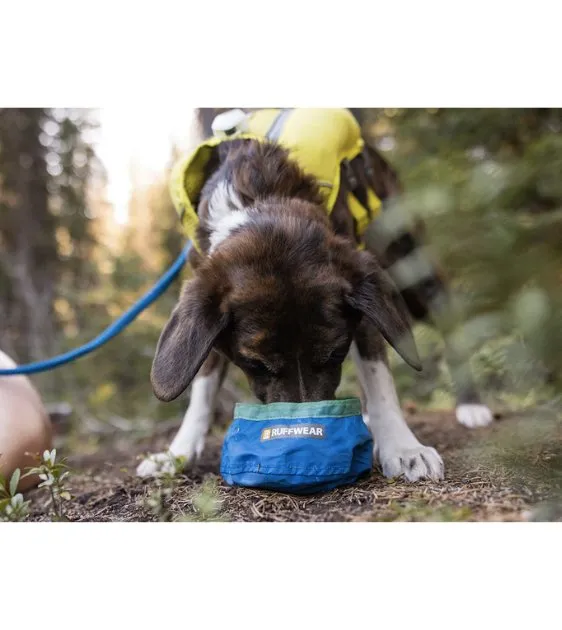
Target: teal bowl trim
column 283, row 410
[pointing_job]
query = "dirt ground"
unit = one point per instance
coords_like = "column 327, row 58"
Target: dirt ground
column 478, row 486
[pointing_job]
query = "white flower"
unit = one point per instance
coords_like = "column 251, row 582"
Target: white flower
column 49, row 457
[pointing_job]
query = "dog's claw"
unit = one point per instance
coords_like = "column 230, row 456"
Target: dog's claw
column 159, row 464
column 421, row 462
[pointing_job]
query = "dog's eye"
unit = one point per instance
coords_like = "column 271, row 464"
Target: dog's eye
column 253, row 365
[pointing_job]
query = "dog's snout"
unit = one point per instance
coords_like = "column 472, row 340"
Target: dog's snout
column 300, row 387
column 287, row 392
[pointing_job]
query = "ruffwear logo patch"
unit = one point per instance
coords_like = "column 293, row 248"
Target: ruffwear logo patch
column 316, row 431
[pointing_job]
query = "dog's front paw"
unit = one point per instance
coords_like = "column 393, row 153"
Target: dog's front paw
column 419, row 462
column 472, row 416
column 160, row 464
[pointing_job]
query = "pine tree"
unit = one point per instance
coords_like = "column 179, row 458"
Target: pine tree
column 28, row 248
column 47, row 169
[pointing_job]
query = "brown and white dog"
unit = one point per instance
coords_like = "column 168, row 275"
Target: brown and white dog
column 282, row 291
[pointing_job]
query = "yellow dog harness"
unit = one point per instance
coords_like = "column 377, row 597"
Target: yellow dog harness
column 319, row 140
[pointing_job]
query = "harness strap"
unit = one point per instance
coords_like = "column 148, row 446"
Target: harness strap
column 278, row 124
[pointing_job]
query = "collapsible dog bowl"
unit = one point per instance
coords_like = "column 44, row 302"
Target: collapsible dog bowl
column 299, row 448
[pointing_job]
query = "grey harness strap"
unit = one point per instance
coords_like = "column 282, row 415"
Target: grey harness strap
column 277, row 125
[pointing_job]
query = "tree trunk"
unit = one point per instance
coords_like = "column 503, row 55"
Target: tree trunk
column 28, row 249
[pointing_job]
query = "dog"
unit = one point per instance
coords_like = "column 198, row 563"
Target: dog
column 285, row 292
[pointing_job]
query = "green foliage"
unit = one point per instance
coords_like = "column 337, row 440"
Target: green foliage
column 119, row 384
column 166, row 502
column 47, row 173
column 160, row 499
column 205, row 503
column 487, row 183
column 54, row 477
column 12, row 505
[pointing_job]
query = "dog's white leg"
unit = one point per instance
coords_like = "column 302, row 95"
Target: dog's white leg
column 396, row 448
column 469, row 411
column 190, row 439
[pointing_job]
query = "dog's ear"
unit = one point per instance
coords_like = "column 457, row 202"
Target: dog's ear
column 375, row 296
column 187, row 340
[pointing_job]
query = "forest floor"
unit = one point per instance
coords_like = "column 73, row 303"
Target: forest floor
column 511, row 471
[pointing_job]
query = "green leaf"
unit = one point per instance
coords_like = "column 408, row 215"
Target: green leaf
column 65, row 495
column 14, row 481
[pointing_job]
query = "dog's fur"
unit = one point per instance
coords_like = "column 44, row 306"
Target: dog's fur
column 281, row 290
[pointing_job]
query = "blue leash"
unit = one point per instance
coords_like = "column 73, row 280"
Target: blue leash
column 111, row 331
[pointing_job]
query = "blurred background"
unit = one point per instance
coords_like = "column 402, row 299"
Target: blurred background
column 87, row 225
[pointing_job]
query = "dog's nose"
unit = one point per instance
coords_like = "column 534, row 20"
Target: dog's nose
column 288, row 391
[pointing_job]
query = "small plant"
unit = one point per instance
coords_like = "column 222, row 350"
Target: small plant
column 12, row 505
column 53, row 477
column 159, row 500
column 206, row 503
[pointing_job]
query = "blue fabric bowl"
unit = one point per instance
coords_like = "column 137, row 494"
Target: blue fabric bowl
column 299, row 448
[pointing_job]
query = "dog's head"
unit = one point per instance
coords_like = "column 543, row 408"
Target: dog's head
column 281, row 299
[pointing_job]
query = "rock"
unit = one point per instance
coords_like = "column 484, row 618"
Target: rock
column 25, row 428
